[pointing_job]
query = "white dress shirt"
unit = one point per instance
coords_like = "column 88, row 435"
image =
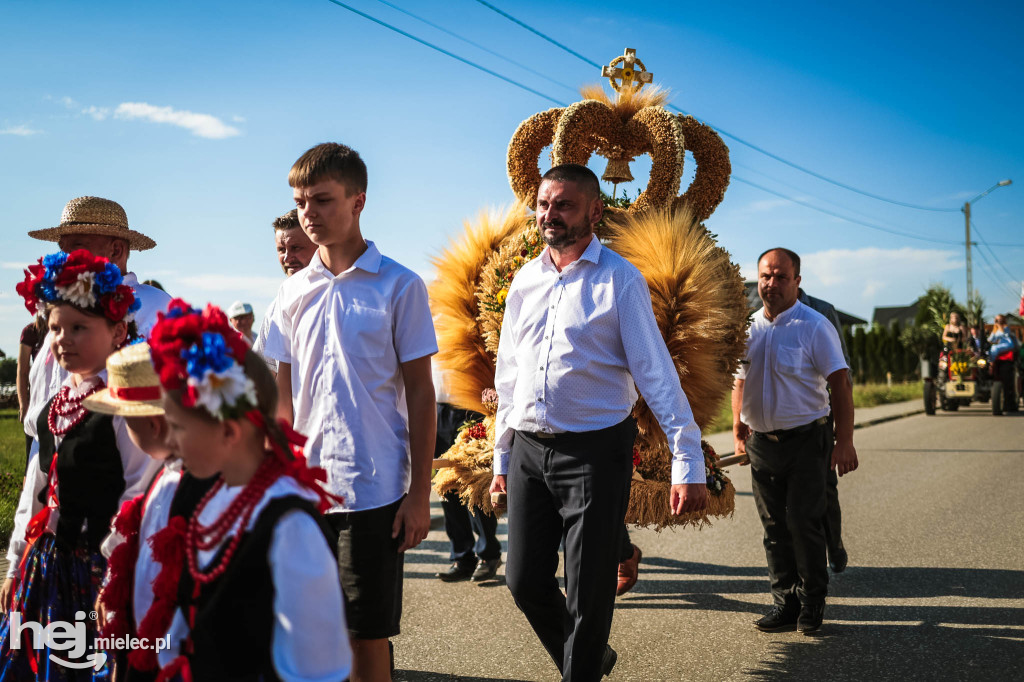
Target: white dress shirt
column 157, row 512
column 138, row 468
column 260, row 344
column 785, row 368
column 346, row 337
column 46, row 376
column 310, row 637
column 572, row 345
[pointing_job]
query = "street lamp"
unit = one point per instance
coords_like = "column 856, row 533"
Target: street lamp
column 967, row 232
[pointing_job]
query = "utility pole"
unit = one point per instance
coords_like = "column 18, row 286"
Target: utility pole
column 967, row 247
column 967, row 243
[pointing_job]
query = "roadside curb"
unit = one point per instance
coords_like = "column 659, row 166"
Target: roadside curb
column 887, row 418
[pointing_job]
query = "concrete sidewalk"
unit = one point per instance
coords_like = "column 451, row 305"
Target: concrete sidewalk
column 864, row 416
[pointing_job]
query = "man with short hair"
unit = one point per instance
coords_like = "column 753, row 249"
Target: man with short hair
column 294, row 251
column 578, row 339
column 100, row 226
column 241, row 318
column 780, row 407
column 353, row 336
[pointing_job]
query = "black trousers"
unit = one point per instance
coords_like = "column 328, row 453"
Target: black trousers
column 572, row 489
column 789, row 493
column 461, row 523
column 833, row 514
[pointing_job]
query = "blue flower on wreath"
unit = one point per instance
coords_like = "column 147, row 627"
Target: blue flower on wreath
column 106, row 281
column 54, row 263
column 135, row 306
column 46, row 291
column 210, row 354
column 174, row 313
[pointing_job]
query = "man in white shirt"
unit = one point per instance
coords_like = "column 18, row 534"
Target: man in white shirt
column 241, row 318
column 294, row 251
column 100, row 226
column 578, row 331
column 780, row 406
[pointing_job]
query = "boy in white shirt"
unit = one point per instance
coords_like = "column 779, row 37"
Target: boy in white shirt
column 353, row 337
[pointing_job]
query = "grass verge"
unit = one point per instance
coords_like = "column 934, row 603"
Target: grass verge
column 864, row 395
column 12, row 470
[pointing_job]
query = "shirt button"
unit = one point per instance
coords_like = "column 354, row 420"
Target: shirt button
column 540, row 400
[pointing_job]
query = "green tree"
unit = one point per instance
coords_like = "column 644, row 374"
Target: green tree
column 934, row 307
column 8, row 370
column 858, row 352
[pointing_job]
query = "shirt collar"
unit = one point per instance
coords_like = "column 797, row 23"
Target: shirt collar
column 98, row 379
column 369, row 261
column 130, row 279
column 781, row 316
column 592, row 254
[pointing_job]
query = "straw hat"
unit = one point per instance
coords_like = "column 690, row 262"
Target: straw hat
column 93, row 215
column 133, row 388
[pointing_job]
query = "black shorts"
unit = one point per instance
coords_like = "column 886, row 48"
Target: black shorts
column 371, row 570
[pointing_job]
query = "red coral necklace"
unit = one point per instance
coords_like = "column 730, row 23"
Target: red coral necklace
column 199, row 537
column 64, row 405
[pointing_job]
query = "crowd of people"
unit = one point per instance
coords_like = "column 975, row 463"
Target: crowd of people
column 247, row 498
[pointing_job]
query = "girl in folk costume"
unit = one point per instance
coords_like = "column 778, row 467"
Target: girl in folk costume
column 137, row 600
column 258, row 592
column 87, row 465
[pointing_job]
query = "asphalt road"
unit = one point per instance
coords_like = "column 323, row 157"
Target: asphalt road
column 934, row 524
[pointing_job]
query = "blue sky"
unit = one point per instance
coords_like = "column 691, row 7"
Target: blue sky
column 190, row 114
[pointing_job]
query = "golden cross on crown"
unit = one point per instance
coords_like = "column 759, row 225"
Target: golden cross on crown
column 632, row 74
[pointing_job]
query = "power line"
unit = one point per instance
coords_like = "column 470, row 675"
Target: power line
column 446, row 52
column 536, row 32
column 478, row 46
column 731, row 136
column 992, row 275
column 842, row 217
column 551, row 99
column 736, row 164
column 993, row 253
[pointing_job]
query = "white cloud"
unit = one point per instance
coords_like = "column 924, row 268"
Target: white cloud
column 98, row 113
column 11, row 265
column 200, row 125
column 858, row 280
column 855, row 267
column 250, row 285
column 68, row 102
column 20, row 131
column 238, row 119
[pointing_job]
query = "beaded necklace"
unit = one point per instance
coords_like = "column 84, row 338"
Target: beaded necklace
column 64, row 405
column 199, row 537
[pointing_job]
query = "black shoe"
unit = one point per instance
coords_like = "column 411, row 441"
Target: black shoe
column 838, row 559
column 810, row 618
column 486, row 569
column 608, row 660
column 780, row 618
column 457, row 572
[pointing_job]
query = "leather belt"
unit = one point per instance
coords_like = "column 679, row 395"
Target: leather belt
column 784, row 434
column 565, row 436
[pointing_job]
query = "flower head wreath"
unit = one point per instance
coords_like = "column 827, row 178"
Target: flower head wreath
column 89, row 282
column 199, row 353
